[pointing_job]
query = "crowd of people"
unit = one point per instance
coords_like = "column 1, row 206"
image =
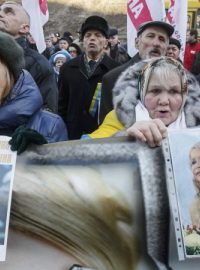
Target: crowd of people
column 90, row 87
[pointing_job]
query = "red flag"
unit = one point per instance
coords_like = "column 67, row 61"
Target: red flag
column 39, row 15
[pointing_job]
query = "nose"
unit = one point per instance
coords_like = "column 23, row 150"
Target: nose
column 163, row 99
column 156, row 42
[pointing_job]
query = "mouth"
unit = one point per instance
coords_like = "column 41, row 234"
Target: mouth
column 92, row 45
column 155, row 53
column 163, row 113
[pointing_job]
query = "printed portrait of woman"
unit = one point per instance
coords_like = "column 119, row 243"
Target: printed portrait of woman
column 195, row 167
column 92, row 214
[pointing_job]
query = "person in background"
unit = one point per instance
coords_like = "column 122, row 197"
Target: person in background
column 63, row 43
column 74, row 50
column 59, row 59
column 152, row 41
column 15, row 21
column 31, row 41
column 173, row 49
column 191, row 48
column 117, row 52
column 50, row 49
column 80, row 79
column 149, row 98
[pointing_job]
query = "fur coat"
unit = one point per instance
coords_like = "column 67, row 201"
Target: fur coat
column 126, row 96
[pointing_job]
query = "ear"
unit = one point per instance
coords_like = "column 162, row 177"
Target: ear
column 106, row 43
column 24, row 29
column 137, row 43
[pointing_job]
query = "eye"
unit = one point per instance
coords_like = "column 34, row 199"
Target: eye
column 174, row 91
column 8, row 10
column 154, row 91
column 193, row 161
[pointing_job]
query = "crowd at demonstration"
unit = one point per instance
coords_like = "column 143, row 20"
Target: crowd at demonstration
column 89, row 87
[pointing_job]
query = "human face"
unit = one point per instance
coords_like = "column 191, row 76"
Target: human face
column 72, row 51
column 113, row 40
column 173, row 51
column 53, row 38
column 195, row 163
column 48, row 43
column 164, row 98
column 59, row 63
column 94, row 43
column 13, row 20
column 63, row 44
column 152, row 42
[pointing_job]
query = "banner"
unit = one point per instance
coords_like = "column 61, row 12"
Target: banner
column 39, row 15
column 140, row 11
column 177, row 17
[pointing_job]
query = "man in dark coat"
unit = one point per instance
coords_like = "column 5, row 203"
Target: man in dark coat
column 15, row 21
column 152, row 41
column 80, row 79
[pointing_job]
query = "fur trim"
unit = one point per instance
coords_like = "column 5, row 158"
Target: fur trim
column 126, row 96
column 11, row 54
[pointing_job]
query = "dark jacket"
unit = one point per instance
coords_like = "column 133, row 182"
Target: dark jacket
column 108, row 82
column 23, row 101
column 76, row 91
column 41, row 71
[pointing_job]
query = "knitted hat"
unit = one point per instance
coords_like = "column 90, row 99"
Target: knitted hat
column 176, row 42
column 59, row 55
column 95, row 22
column 11, row 54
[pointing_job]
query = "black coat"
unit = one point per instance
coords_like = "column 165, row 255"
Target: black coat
column 108, row 82
column 76, row 90
column 42, row 73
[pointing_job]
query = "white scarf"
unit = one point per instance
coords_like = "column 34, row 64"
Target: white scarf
column 143, row 115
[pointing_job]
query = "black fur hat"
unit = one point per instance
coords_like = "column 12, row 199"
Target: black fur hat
column 11, row 54
column 95, row 22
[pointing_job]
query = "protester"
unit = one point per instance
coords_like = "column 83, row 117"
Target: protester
column 173, row 49
column 50, row 49
column 117, row 52
column 15, row 21
column 151, row 97
column 74, row 50
column 57, row 60
column 152, row 41
column 80, row 79
column 64, row 43
column 195, row 167
column 20, row 98
column 191, row 48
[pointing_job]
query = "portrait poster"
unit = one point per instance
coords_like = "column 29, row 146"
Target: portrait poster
column 182, row 157
column 7, row 168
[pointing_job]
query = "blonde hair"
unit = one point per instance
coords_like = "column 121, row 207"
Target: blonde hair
column 86, row 217
column 196, row 183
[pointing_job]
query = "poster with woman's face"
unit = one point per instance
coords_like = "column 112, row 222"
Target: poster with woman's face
column 184, row 189
column 7, row 167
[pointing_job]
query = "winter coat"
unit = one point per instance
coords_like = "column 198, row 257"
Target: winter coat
column 23, row 101
column 190, row 51
column 108, row 82
column 76, row 92
column 125, row 99
column 41, row 71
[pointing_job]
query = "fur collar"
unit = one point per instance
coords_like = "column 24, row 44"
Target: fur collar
column 126, row 95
